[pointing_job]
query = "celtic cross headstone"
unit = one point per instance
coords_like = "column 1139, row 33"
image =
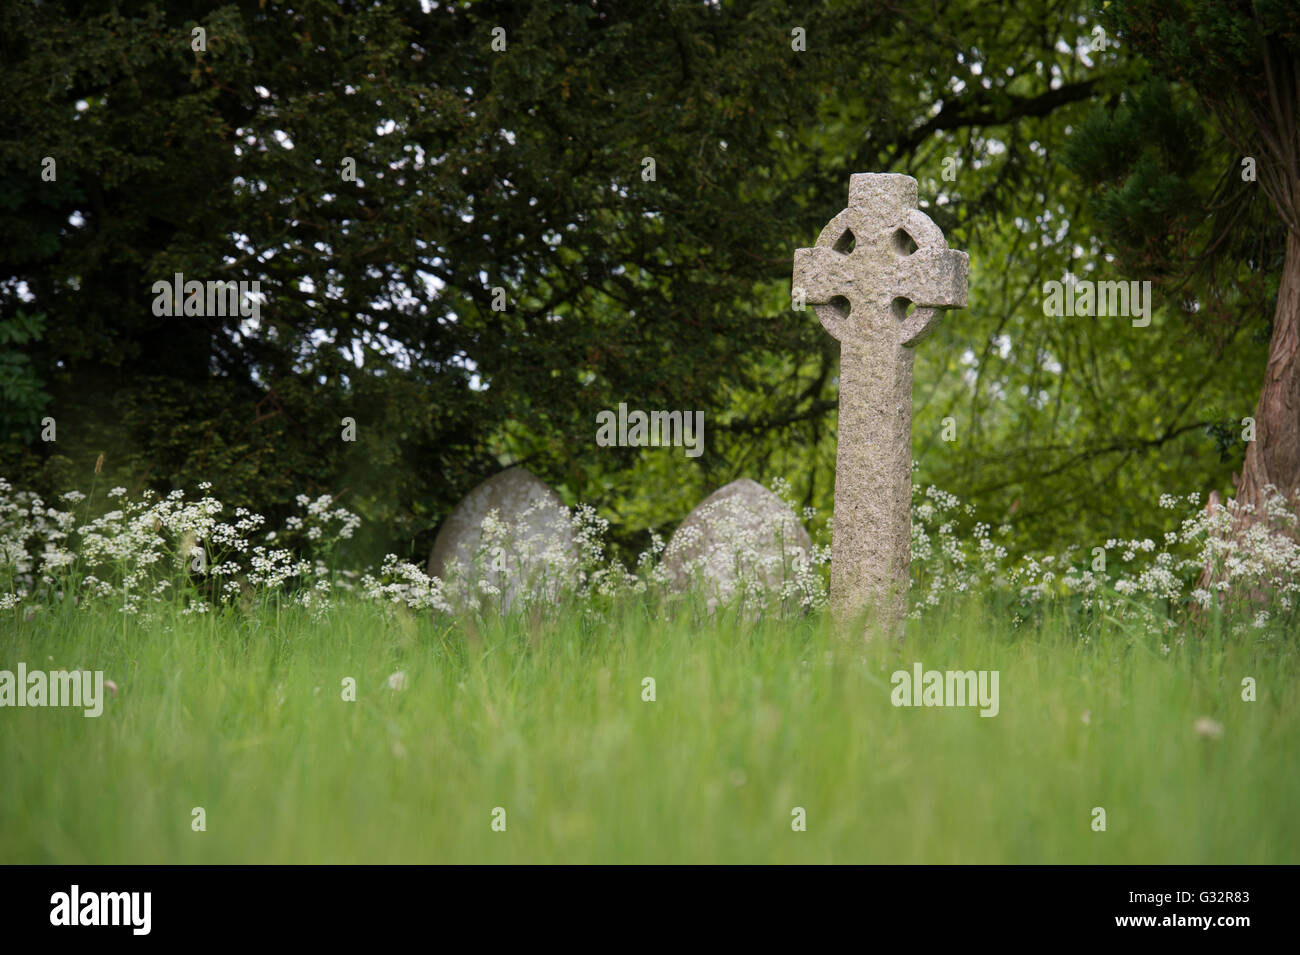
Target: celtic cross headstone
column 872, row 262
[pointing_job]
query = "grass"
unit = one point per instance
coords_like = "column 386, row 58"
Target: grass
column 242, row 715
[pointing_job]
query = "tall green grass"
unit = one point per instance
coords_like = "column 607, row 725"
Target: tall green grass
column 241, row 714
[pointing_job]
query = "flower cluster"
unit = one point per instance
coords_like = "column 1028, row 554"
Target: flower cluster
column 147, row 551
column 401, row 582
column 1207, row 562
column 144, row 550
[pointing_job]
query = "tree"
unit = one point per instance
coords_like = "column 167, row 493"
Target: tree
column 510, row 160
column 1242, row 57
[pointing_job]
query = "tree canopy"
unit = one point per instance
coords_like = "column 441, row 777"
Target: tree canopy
column 634, row 178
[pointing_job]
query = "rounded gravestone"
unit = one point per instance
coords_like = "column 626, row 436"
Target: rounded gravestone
column 742, row 538
column 527, row 540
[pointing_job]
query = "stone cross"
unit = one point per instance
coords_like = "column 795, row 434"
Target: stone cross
column 871, row 261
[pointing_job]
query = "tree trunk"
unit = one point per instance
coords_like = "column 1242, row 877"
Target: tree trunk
column 1273, row 458
column 1272, row 462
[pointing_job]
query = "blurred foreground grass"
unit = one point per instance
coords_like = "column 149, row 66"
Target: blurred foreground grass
column 544, row 717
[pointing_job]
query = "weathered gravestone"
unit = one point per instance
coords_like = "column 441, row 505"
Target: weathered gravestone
column 873, row 259
column 741, row 532
column 533, row 536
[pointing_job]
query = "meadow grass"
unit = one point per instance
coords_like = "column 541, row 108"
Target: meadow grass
column 241, row 713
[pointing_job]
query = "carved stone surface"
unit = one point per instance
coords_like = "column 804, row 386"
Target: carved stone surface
column 870, row 261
